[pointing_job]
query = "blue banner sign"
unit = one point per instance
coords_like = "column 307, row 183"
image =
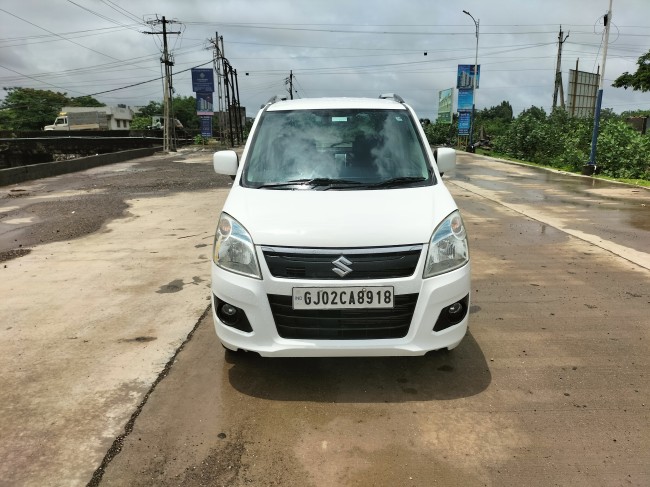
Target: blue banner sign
column 465, row 99
column 466, row 75
column 202, row 80
column 464, row 121
column 206, row 125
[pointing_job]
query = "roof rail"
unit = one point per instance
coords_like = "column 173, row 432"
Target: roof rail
column 391, row 96
column 275, row 99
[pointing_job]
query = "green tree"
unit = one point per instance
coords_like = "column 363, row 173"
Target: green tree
column 140, row 123
column 525, row 137
column 638, row 81
column 185, row 111
column 84, row 101
column 151, row 109
column 494, row 121
column 440, row 133
column 30, row 109
column 623, row 152
column 635, row 113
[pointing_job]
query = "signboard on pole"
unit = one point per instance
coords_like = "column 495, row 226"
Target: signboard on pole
column 202, row 80
column 204, row 104
column 466, row 75
column 445, row 105
column 465, row 99
column 583, row 90
column 464, row 121
column 205, row 122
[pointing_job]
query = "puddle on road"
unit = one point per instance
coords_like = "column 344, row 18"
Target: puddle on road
column 173, row 287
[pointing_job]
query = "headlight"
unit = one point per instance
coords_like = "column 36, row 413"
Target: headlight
column 233, row 248
column 448, row 249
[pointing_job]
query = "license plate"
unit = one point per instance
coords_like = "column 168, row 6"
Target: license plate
column 355, row 297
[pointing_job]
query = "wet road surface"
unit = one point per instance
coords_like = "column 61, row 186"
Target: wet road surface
column 550, row 386
column 613, row 212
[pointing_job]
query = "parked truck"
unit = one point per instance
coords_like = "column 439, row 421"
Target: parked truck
column 94, row 120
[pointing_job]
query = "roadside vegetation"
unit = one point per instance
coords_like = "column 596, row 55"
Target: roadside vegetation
column 557, row 140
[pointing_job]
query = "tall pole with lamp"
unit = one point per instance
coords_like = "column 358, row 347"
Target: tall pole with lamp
column 590, row 168
column 471, row 123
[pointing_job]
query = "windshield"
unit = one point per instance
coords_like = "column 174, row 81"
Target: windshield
column 336, row 149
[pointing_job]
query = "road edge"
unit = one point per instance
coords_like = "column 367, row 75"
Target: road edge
column 116, row 447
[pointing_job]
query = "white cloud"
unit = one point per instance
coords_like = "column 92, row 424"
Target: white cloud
column 384, row 52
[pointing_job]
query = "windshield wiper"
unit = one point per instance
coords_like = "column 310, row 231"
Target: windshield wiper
column 325, row 181
column 312, row 182
column 395, row 182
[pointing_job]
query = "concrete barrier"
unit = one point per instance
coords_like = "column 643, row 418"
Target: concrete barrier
column 15, row 175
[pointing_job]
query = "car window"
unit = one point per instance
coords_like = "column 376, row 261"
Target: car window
column 362, row 146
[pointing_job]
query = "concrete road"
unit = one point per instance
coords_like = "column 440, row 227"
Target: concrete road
column 103, row 275
column 550, row 387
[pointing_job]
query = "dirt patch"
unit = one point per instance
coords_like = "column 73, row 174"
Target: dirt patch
column 75, row 205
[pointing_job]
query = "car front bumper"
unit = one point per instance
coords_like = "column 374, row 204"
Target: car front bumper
column 251, row 296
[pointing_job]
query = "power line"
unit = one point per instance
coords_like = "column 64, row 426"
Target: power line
column 379, row 32
column 58, row 35
column 99, row 15
column 123, row 11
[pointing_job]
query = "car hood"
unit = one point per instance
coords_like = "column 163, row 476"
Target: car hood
column 371, row 218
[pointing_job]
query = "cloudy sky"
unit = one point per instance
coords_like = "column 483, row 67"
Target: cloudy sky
column 333, row 47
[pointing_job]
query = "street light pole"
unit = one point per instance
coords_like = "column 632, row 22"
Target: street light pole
column 471, row 122
column 590, row 167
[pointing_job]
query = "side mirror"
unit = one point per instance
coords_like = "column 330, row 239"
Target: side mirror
column 445, row 159
column 225, row 162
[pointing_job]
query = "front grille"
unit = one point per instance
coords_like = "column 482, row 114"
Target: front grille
column 367, row 263
column 368, row 324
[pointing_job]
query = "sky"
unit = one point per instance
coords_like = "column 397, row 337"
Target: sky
column 332, row 47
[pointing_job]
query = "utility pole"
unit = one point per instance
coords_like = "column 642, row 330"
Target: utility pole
column 289, row 81
column 240, row 122
column 217, row 64
column 590, row 168
column 233, row 98
column 231, row 91
column 558, row 71
column 169, row 140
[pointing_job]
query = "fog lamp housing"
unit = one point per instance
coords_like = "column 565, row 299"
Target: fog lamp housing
column 232, row 316
column 452, row 315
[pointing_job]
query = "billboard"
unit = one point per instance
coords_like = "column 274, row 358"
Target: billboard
column 206, row 125
column 583, row 90
column 464, row 121
column 204, row 104
column 465, row 99
column 202, row 80
column 445, row 105
column 466, row 75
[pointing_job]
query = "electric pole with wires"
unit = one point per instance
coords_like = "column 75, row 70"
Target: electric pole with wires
column 169, row 128
column 558, row 71
column 289, row 81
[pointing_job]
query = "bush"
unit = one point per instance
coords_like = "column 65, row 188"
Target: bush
column 623, row 152
column 558, row 140
column 441, row 133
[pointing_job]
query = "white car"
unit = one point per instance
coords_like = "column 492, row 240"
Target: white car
column 338, row 237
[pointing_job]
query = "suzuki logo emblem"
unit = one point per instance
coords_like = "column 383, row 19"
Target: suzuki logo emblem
column 341, row 266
